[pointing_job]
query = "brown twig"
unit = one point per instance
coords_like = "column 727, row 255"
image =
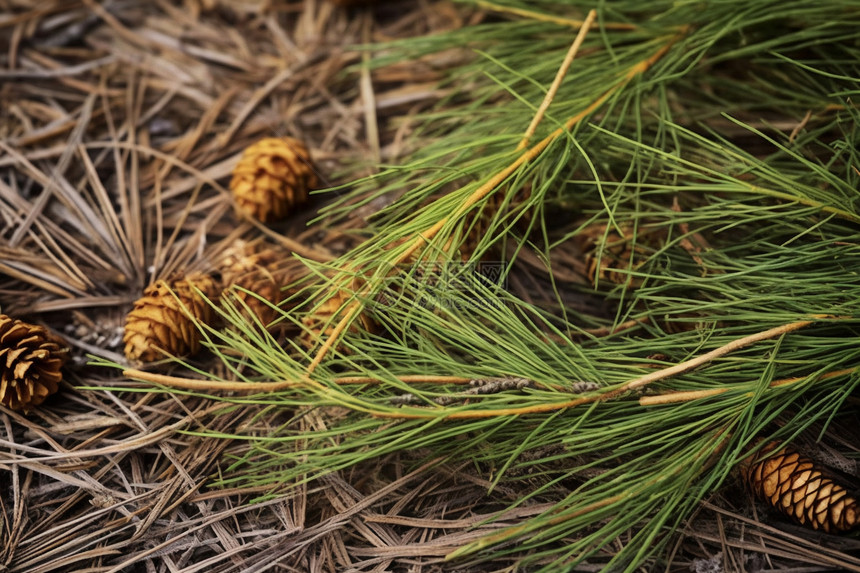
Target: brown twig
column 559, row 77
column 634, row 384
column 261, row 387
column 676, row 397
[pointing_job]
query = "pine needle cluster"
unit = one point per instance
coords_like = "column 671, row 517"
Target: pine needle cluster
column 722, row 138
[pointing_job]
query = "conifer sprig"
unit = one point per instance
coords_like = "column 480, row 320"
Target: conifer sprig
column 732, row 129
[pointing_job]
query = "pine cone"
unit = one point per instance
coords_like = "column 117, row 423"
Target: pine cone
column 162, row 321
column 320, row 324
column 619, row 252
column 30, row 362
column 273, row 175
column 262, row 269
column 793, row 484
column 480, row 221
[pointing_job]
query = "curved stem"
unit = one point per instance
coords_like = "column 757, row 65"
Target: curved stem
column 259, row 387
column 556, row 83
column 675, row 397
column 614, row 393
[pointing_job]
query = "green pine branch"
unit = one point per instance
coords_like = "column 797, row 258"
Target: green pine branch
column 723, row 134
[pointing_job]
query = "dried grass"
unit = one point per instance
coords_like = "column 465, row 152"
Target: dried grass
column 119, row 123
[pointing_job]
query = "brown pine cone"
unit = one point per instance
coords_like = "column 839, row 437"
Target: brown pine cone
column 479, row 221
column 273, row 176
column 263, row 269
column 476, row 226
column 619, row 252
column 321, row 322
column 162, row 321
column 792, row 484
column 30, row 362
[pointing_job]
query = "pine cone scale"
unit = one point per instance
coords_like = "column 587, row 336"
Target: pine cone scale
column 13, row 355
column 20, row 368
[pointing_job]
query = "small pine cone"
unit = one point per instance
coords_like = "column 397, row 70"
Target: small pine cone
column 162, row 321
column 619, row 253
column 480, row 221
column 264, row 270
column 273, row 175
column 30, row 362
column 321, row 323
column 687, row 322
column 477, row 226
column 793, row 484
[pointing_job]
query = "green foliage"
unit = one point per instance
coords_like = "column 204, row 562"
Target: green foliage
column 739, row 137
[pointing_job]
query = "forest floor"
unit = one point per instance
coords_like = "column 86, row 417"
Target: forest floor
column 120, row 122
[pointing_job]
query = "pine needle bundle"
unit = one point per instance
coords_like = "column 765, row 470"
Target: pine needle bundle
column 719, row 140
